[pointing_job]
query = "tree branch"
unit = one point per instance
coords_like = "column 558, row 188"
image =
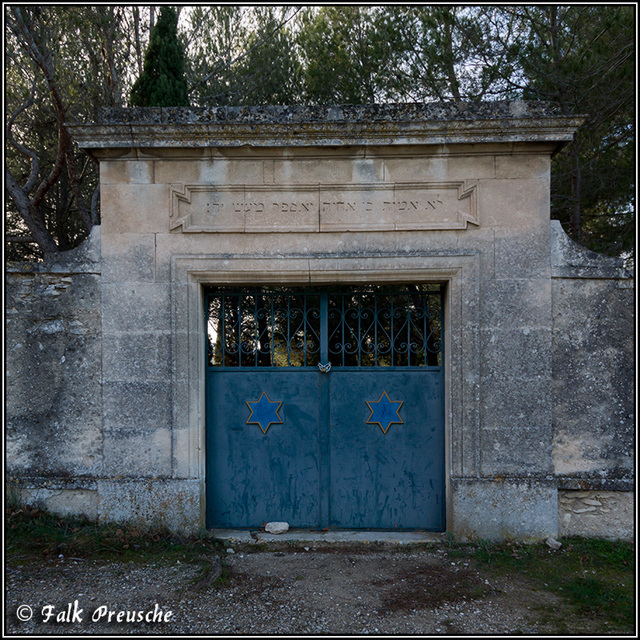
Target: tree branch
column 31, row 215
column 25, row 151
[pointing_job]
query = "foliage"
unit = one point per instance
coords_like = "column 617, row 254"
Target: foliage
column 243, row 56
column 342, row 54
column 582, row 58
column 62, row 64
column 162, row 83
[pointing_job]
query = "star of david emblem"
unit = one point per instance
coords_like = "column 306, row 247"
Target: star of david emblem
column 384, row 412
column 264, row 412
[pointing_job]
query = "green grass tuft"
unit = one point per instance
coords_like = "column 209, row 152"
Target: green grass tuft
column 595, row 576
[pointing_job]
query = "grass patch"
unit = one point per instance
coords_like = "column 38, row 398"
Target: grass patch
column 33, row 534
column 596, row 576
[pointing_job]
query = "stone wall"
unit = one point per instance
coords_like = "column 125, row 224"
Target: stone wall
column 54, row 381
column 593, row 389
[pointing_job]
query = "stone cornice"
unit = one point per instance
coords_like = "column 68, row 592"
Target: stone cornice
column 436, row 123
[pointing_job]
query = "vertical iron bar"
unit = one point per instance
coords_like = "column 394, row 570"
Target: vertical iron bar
column 408, row 330
column 441, row 299
column 304, row 329
column 324, row 328
column 393, row 338
column 272, row 336
column 288, row 330
column 324, row 417
column 342, row 323
column 375, row 329
column 425, row 307
column 224, row 329
column 255, row 320
column 359, row 345
column 239, row 330
column 207, row 315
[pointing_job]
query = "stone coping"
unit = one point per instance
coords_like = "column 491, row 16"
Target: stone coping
column 338, row 125
column 398, row 112
column 571, row 260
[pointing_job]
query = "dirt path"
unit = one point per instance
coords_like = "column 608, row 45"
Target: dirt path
column 332, row 590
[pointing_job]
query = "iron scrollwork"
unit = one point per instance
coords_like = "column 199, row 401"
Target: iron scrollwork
column 374, row 327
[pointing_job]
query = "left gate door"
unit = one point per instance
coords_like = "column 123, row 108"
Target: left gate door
column 263, row 448
column 263, row 415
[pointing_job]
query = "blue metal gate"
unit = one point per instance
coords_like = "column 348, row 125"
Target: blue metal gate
column 325, row 408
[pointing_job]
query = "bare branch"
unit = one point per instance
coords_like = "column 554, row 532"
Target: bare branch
column 54, row 174
column 25, row 151
column 19, row 239
column 31, row 215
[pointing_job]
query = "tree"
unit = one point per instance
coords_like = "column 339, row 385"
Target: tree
column 582, row 58
column 162, row 83
column 243, row 55
column 342, row 56
column 29, row 197
column 62, row 64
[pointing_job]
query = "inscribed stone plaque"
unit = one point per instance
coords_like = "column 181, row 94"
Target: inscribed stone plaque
column 309, row 208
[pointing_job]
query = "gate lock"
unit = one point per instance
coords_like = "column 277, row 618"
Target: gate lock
column 324, row 368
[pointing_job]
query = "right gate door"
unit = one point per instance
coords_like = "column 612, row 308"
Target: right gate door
column 387, row 466
column 386, row 408
column 325, row 408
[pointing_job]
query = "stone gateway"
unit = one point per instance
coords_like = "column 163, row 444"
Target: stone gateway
column 334, row 317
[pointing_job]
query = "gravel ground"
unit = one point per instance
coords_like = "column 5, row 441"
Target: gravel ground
column 334, row 590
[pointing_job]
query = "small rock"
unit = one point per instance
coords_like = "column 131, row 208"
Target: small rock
column 230, row 550
column 553, row 544
column 276, row 527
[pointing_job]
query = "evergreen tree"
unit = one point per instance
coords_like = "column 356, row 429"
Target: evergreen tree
column 162, row 82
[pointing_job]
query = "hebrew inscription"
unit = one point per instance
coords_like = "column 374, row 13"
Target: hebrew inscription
column 323, row 208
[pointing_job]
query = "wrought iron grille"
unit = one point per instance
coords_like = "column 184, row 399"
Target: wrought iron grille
column 372, row 326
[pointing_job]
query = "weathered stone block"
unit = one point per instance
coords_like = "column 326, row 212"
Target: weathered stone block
column 328, row 171
column 126, row 171
column 166, row 502
column 438, row 168
column 53, row 409
column 63, row 502
column 144, row 357
column 504, row 509
column 516, row 353
column 597, row 514
column 137, row 405
column 516, row 434
column 136, row 307
column 521, row 255
column 215, row 171
column 515, row 206
column 139, row 453
column 517, row 166
column 128, row 257
column 593, row 364
column 150, row 202
column 516, row 303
